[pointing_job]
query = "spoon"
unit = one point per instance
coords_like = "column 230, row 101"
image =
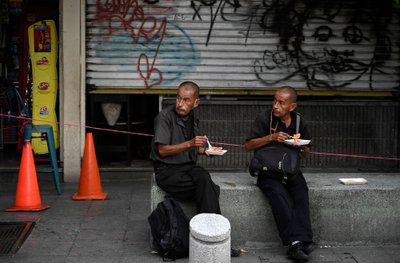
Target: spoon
column 209, row 145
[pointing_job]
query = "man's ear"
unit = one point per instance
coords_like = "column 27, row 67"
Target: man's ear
column 293, row 106
column 196, row 103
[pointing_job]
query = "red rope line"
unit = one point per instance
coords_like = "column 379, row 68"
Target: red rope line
column 357, row 156
column 228, row 144
column 76, row 125
column 216, row 143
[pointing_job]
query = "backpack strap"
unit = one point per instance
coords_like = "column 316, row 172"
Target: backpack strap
column 169, row 206
column 297, row 121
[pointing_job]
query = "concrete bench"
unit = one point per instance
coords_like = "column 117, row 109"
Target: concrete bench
column 340, row 214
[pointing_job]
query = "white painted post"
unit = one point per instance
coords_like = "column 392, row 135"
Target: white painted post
column 210, row 239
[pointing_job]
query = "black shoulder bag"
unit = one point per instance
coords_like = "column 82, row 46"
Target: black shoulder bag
column 277, row 160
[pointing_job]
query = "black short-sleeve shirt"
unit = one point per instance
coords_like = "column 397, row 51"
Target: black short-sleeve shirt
column 170, row 129
column 262, row 124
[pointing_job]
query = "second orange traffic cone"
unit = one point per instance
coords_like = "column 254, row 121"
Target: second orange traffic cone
column 27, row 196
column 89, row 181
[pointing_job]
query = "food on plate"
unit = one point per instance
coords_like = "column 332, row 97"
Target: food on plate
column 215, row 149
column 296, row 137
column 295, row 140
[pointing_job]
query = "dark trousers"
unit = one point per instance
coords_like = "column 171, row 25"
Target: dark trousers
column 290, row 207
column 189, row 182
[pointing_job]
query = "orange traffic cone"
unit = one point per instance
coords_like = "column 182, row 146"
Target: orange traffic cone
column 27, row 196
column 89, row 181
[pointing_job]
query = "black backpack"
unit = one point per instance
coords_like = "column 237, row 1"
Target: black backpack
column 277, row 160
column 170, row 230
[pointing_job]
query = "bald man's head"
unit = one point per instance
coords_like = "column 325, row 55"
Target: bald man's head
column 290, row 91
column 190, row 85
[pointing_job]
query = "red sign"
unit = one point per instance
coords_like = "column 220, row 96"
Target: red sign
column 43, row 86
column 42, row 38
column 43, row 61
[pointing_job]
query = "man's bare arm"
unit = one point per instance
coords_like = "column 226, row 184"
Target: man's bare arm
column 167, row 150
column 257, row 143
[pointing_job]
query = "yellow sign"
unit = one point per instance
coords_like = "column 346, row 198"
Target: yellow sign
column 43, row 47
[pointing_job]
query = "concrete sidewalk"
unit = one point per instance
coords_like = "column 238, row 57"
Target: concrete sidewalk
column 116, row 230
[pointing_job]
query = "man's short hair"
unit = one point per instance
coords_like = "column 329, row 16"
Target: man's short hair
column 289, row 90
column 190, row 85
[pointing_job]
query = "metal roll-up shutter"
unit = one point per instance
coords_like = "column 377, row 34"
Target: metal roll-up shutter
column 232, row 44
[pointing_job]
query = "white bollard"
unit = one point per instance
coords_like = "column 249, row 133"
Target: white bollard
column 210, row 239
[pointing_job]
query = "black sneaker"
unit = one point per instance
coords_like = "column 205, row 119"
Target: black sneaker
column 235, row 252
column 308, row 247
column 296, row 253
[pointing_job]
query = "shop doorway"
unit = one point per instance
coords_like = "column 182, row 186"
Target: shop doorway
column 15, row 71
column 124, row 128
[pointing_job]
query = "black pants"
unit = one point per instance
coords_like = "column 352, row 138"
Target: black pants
column 189, row 182
column 290, row 207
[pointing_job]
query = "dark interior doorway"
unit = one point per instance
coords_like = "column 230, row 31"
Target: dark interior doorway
column 124, row 141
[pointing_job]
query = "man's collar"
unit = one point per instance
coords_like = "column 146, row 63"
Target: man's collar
column 179, row 119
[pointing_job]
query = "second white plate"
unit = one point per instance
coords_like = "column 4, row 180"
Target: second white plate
column 299, row 142
column 353, row 180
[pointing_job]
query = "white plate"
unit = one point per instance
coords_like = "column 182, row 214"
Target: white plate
column 222, row 152
column 298, row 143
column 353, row 180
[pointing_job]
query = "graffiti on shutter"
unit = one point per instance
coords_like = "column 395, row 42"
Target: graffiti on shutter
column 238, row 44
